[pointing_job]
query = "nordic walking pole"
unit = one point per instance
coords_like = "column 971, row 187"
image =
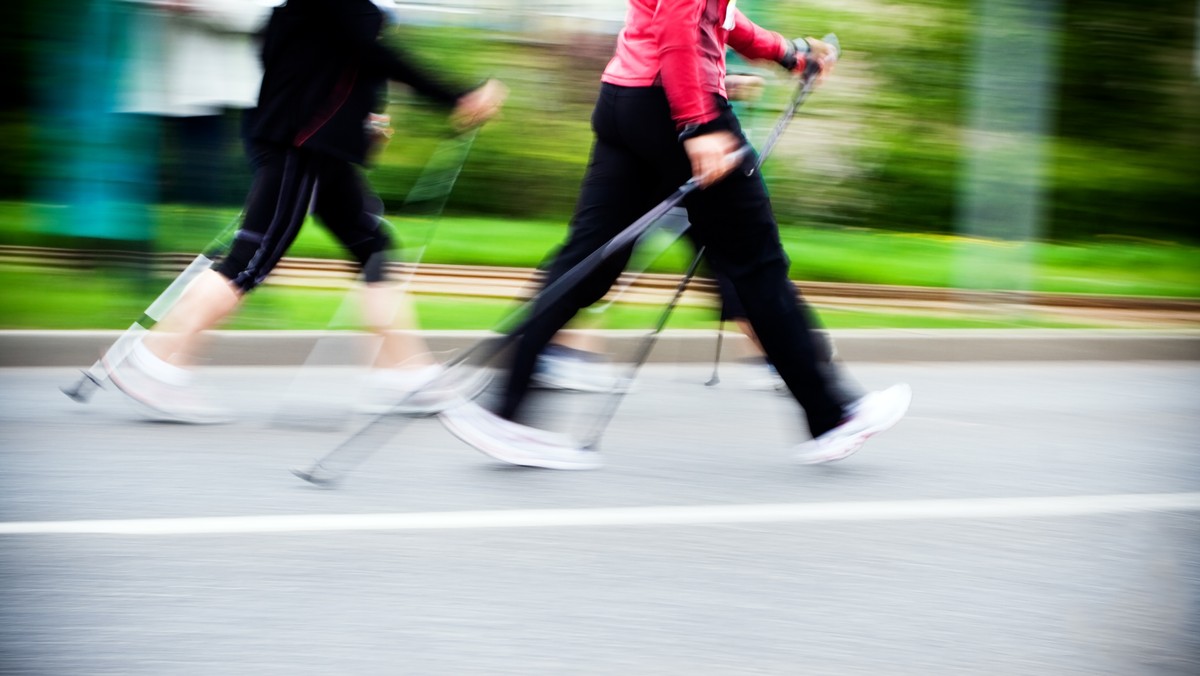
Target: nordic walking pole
column 433, row 187
column 716, row 379
column 428, row 196
column 748, row 105
column 374, row 433
column 807, row 83
column 97, row 374
column 362, row 444
column 614, row 400
column 622, row 387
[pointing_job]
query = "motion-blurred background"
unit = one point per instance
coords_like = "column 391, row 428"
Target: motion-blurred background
column 1014, row 145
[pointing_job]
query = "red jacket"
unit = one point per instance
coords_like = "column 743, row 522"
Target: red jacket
column 680, row 44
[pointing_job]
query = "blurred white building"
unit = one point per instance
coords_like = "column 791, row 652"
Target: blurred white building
column 605, row 16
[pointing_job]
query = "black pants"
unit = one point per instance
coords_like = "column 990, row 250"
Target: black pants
column 287, row 181
column 636, row 162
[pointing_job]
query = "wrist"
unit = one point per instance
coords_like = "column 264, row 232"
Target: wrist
column 692, row 130
column 795, row 53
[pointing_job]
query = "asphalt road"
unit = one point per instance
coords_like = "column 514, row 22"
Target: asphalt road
column 1024, row 519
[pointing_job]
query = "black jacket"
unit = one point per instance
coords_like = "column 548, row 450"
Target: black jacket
column 323, row 71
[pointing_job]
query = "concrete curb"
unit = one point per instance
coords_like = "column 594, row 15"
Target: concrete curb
column 287, row 348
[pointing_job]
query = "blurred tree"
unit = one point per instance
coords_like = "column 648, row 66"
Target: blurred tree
column 1129, row 121
column 15, row 46
column 1121, row 70
column 1123, row 154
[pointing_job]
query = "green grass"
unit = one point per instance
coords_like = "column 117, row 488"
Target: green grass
column 1102, row 265
column 82, row 299
column 111, row 297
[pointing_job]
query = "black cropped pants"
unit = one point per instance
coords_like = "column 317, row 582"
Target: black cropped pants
column 637, row 161
column 288, row 182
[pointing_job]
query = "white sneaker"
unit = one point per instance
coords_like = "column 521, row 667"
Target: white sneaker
column 159, row 399
column 422, row 391
column 573, row 370
column 515, row 443
column 872, row 414
column 767, row 379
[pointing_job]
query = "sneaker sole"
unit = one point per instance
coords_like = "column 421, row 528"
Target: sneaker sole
column 853, row 445
column 156, row 414
column 543, row 383
column 426, row 404
column 856, row 442
column 510, row 455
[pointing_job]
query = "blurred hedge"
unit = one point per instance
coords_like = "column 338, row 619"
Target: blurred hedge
column 879, row 146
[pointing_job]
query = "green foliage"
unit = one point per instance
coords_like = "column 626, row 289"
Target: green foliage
column 880, row 145
column 891, row 118
column 1110, row 264
column 529, row 162
column 82, row 299
column 1128, row 121
column 1102, row 190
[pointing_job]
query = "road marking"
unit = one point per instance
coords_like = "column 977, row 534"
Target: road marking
column 703, row 515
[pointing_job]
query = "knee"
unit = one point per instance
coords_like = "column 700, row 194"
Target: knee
column 238, row 266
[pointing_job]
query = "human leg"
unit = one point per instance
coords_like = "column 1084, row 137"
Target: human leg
column 275, row 210
column 616, row 189
column 204, row 304
column 405, row 376
column 345, row 207
column 156, row 373
column 592, row 227
column 733, row 312
column 751, row 256
column 843, row 385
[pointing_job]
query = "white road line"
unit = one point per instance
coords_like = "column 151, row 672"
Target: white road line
column 803, row 512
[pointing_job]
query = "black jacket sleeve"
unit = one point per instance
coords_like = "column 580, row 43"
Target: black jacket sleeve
column 356, row 24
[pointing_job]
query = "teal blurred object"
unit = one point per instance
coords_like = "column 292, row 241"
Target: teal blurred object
column 96, row 179
column 1003, row 185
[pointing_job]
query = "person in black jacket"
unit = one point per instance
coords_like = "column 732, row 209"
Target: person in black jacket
column 323, row 70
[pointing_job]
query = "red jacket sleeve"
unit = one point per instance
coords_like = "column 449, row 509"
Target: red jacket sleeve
column 755, row 42
column 676, row 27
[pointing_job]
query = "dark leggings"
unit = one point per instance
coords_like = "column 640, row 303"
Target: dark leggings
column 636, row 162
column 844, row 387
column 287, row 181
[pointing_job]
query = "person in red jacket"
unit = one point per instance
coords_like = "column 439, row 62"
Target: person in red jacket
column 324, row 68
column 663, row 117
